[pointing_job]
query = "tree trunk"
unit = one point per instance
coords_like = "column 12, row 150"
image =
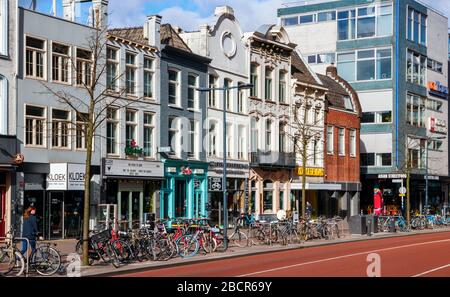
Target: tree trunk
column 87, row 188
column 304, row 188
column 408, row 199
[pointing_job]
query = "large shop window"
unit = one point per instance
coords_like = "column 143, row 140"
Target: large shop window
column 365, row 65
column 112, row 66
column 3, row 27
column 268, row 197
column 112, row 127
column 415, row 110
column 35, row 58
column 416, row 68
column 417, row 27
column 365, row 22
column 378, row 117
column 35, row 126
column 60, row 128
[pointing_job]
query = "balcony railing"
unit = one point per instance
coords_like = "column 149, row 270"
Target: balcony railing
column 272, row 159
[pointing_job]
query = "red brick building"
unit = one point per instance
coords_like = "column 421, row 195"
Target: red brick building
column 342, row 141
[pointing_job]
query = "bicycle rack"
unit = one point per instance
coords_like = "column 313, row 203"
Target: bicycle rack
column 21, row 239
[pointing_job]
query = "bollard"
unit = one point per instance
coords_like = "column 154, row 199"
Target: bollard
column 369, row 227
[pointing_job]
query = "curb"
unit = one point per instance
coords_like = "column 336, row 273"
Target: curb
column 231, row 256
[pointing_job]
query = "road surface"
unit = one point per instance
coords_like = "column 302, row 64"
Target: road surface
column 425, row 255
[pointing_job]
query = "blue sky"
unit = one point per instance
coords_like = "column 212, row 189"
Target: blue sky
column 189, row 14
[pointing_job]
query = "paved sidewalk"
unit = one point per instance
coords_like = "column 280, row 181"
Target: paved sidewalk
column 101, row 269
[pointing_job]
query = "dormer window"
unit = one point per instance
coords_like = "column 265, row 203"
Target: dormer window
column 348, row 103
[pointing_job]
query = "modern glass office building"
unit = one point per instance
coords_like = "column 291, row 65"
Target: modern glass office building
column 394, row 53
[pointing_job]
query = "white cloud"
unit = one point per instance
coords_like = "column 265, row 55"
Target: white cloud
column 127, row 13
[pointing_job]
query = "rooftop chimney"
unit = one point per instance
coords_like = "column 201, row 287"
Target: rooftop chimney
column 223, row 10
column 100, row 13
column 152, row 30
column 331, row 71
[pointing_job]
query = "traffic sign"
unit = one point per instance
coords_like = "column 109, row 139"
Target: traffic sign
column 402, row 190
column 215, row 184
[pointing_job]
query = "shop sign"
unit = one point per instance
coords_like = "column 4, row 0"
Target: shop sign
column 215, row 184
column 199, row 171
column 120, row 167
column 392, row 176
column 171, row 169
column 437, row 89
column 133, row 149
column 317, row 172
column 437, row 125
column 186, row 171
column 233, row 169
column 66, row 177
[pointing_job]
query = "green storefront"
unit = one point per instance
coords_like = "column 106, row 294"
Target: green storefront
column 184, row 190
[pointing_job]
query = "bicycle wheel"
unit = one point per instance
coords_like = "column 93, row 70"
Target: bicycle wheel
column 12, row 263
column 239, row 238
column 166, row 249
column 187, row 246
column 209, row 243
column 46, row 261
column 112, row 255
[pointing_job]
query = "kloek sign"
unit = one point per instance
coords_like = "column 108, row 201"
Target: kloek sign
column 436, row 88
column 66, row 177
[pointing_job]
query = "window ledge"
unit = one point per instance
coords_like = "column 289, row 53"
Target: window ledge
column 175, row 106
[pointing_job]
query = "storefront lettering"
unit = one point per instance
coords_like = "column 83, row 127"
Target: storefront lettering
column 317, row 172
column 437, row 125
column 76, row 176
column 437, row 87
column 56, row 177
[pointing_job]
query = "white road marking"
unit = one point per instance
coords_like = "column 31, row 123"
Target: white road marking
column 344, row 256
column 432, row 270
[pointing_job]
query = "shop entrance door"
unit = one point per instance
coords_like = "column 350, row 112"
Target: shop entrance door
column 2, row 211
column 130, row 211
column 55, row 215
column 180, row 199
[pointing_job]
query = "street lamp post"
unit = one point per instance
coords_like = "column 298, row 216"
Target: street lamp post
column 224, row 179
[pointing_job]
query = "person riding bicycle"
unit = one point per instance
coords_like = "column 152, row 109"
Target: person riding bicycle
column 30, row 229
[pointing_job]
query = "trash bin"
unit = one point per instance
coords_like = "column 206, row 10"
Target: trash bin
column 392, row 225
column 357, row 225
column 374, row 224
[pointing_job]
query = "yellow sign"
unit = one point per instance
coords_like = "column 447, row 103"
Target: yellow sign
column 311, row 171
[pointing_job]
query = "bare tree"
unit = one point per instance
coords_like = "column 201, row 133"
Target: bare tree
column 98, row 94
column 306, row 131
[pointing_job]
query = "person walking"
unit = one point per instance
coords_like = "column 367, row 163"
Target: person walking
column 30, row 229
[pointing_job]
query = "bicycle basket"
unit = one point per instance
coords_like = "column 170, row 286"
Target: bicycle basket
column 102, row 236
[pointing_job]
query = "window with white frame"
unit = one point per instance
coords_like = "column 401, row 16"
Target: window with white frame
column 376, row 159
column 193, row 136
column 364, row 65
column 192, row 92
column 173, row 135
column 229, row 141
column 352, row 136
column 325, row 58
column 3, row 105
column 435, row 145
column 212, row 95
column 434, row 105
column 84, row 67
column 341, row 141
column 35, row 58
column 417, row 154
column 148, row 77
column 112, row 69
column 415, row 109
column 212, row 137
column 282, row 138
column 35, row 125
column 365, row 22
column 254, row 122
column 240, row 99
column 268, row 84
column 316, row 146
column 416, row 68
column 417, row 26
column 241, row 143
column 376, row 117
column 174, row 86
column 112, row 133
column 254, row 77
column 130, row 74
column 330, row 140
column 149, row 126
column 60, row 128
column 282, row 87
column 227, row 94
column 268, row 135
column 3, row 27
column 60, row 63
column 80, row 137
column 130, row 126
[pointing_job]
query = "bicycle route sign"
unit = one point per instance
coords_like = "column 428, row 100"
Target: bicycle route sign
column 215, row 184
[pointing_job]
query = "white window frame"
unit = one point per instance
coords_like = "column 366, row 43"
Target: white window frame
column 241, row 143
column 341, row 142
column 4, row 31
column 132, row 68
column 115, row 121
column 411, row 55
column 240, row 99
column 254, row 79
column 410, row 22
column 174, row 127
column 83, row 134
column 3, row 105
column 212, row 139
column 151, row 73
column 116, row 81
column 34, row 53
column 34, row 134
column 228, row 94
column 212, row 94
column 84, row 68
column 330, row 140
column 59, row 123
column 422, row 113
column 61, row 58
column 193, row 136
column 268, row 79
column 133, row 124
column 150, row 126
column 268, row 134
column 195, row 100
column 177, row 87
column 352, row 142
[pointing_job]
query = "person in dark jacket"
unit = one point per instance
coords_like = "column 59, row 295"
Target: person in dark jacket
column 30, row 229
